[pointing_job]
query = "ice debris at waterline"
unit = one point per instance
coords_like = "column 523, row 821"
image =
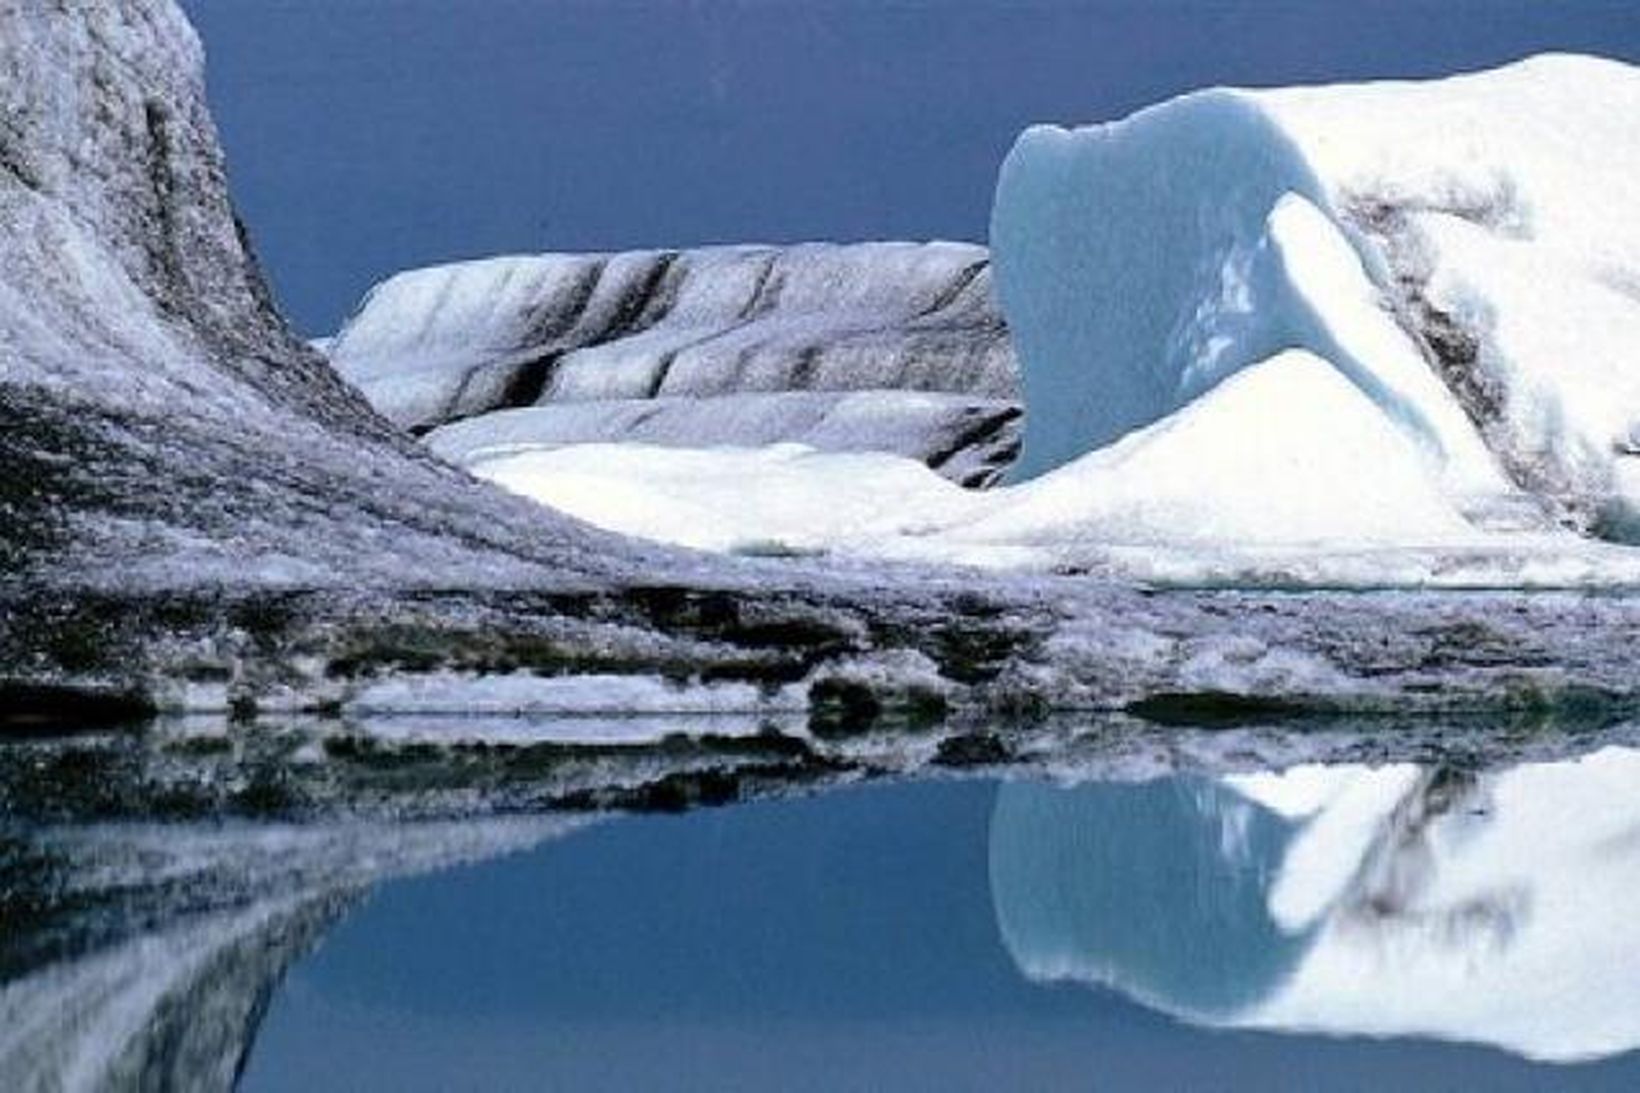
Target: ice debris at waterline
column 893, row 347
column 1358, row 334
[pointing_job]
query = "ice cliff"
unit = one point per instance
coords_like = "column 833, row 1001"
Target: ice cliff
column 1464, row 251
column 718, row 346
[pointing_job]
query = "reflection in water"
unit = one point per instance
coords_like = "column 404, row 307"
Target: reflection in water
column 143, row 957
column 1157, row 888
column 1500, row 907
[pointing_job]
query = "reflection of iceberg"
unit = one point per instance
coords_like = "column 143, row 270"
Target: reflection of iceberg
column 1156, row 888
column 142, row 957
column 1502, row 907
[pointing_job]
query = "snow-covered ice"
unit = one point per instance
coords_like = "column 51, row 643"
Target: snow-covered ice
column 1203, row 474
column 784, row 498
column 1483, row 230
column 1360, row 334
column 1259, row 459
column 965, row 438
column 1241, row 485
column 716, row 345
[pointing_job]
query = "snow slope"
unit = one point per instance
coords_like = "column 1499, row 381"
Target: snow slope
column 592, row 337
column 779, row 499
column 1286, row 473
column 1466, row 251
column 1260, row 460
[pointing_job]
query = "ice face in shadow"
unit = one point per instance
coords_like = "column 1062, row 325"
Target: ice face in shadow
column 1387, row 228
column 143, row 956
column 1498, row 908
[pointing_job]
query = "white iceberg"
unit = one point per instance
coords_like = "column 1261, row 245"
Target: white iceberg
column 739, row 345
column 1358, row 334
column 1482, row 230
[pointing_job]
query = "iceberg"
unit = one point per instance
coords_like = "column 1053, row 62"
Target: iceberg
column 701, row 348
column 1357, row 334
column 198, row 512
column 1464, row 251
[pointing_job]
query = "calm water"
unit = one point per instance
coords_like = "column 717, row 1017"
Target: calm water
column 1330, row 927
column 1426, row 928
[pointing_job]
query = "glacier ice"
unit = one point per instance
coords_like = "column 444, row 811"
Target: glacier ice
column 162, row 428
column 1464, row 250
column 585, row 340
column 966, row 439
column 1293, row 333
column 195, row 508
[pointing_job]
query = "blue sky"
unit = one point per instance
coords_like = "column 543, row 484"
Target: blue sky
column 367, row 136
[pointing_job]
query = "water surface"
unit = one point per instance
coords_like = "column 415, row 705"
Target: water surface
column 1182, row 933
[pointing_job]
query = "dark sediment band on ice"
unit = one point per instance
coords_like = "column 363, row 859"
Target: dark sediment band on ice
column 740, row 345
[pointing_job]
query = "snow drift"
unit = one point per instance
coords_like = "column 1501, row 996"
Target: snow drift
column 1465, row 251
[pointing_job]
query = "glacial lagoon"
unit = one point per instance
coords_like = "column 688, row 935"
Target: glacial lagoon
column 1447, row 923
